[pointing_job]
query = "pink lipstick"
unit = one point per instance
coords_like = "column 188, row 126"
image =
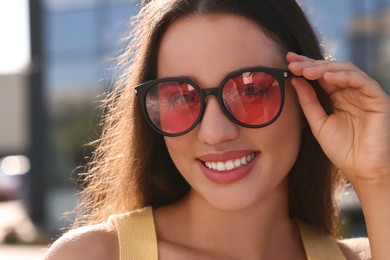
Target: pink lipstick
column 227, row 167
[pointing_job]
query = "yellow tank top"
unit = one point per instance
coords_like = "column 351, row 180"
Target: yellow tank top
column 138, row 240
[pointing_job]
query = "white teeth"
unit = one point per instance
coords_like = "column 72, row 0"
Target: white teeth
column 243, row 160
column 230, row 164
column 221, row 166
column 214, row 165
column 237, row 163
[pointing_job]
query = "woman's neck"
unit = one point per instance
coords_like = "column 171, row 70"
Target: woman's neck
column 257, row 231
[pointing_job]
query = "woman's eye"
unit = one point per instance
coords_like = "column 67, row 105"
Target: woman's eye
column 254, row 90
column 183, row 98
column 190, row 97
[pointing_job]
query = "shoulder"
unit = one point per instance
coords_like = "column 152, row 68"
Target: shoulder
column 90, row 242
column 355, row 248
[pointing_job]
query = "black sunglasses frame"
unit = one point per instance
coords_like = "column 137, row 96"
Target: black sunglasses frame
column 279, row 74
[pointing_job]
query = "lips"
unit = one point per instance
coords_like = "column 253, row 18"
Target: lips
column 227, row 167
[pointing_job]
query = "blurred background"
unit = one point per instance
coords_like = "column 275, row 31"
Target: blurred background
column 57, row 58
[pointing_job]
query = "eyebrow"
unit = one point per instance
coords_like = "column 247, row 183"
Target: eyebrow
column 186, row 76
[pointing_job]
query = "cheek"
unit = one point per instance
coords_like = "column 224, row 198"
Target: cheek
column 179, row 152
column 283, row 137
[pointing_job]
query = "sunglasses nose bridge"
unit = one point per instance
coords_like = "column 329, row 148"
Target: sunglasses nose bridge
column 210, row 91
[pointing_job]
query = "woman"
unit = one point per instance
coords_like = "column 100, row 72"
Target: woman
column 222, row 141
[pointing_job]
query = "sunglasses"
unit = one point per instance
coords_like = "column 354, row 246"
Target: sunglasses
column 250, row 97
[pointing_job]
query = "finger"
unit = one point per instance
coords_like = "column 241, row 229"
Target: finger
column 297, row 63
column 314, row 69
column 294, row 57
column 314, row 112
column 335, row 75
column 298, row 70
column 354, row 79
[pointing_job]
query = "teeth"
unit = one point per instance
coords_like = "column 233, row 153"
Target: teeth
column 243, row 160
column 230, row 164
column 221, row 166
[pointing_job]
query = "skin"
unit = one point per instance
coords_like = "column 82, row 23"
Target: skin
column 248, row 219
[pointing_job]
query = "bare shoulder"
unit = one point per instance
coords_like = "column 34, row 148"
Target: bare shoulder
column 89, row 242
column 355, row 248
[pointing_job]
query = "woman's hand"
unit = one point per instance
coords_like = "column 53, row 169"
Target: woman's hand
column 356, row 136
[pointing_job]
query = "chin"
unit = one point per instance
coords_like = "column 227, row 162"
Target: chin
column 247, row 198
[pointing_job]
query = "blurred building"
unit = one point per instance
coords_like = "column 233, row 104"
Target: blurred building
column 14, row 100
column 15, row 127
column 14, row 134
column 370, row 39
column 80, row 41
column 47, row 107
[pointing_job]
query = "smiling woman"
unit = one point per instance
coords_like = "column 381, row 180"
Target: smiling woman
column 216, row 139
column 227, row 138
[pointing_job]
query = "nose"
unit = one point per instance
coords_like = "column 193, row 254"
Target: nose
column 215, row 127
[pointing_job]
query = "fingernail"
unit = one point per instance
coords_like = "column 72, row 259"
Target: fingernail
column 310, row 68
column 296, row 64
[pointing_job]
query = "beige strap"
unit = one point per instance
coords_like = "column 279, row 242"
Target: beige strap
column 319, row 246
column 136, row 234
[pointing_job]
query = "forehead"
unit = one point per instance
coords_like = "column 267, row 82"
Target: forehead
column 205, row 45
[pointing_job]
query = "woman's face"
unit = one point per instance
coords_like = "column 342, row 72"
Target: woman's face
column 206, row 48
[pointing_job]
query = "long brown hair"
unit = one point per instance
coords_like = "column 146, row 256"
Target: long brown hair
column 131, row 167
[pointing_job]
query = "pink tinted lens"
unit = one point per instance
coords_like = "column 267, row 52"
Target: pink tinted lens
column 253, row 98
column 173, row 106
